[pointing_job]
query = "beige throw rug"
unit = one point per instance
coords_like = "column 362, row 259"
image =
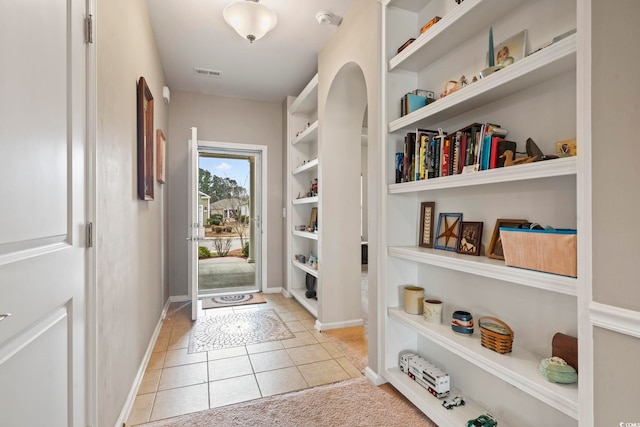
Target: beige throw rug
column 353, row 403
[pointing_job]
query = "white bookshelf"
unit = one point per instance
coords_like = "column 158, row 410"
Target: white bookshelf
column 530, row 98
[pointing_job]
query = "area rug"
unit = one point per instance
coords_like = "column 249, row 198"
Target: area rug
column 232, row 300
column 354, row 402
column 237, row 329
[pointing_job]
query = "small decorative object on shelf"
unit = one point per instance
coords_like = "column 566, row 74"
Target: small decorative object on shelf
column 470, row 240
column 565, row 347
column 424, row 373
column 566, row 148
column 485, row 420
column 495, row 334
column 557, row 370
column 495, row 247
column 427, row 210
column 456, row 401
column 448, row 231
column 429, row 24
column 313, row 220
column 300, row 227
column 407, row 43
column 313, row 261
column 301, row 258
column 413, row 296
column 432, row 311
column 310, row 284
column 462, row 322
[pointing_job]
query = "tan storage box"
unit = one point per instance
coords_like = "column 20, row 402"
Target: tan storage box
column 551, row 251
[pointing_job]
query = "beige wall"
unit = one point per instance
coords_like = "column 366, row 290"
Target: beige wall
column 222, row 119
column 356, row 42
column 615, row 176
column 129, row 232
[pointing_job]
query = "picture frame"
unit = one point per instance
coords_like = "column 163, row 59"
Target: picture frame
column 145, row 140
column 427, row 210
column 511, row 50
column 312, row 219
column 161, row 144
column 495, row 246
column 448, row 231
column 470, row 241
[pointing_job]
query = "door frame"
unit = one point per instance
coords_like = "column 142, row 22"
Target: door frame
column 260, row 151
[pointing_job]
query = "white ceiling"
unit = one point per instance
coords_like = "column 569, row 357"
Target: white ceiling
column 192, row 34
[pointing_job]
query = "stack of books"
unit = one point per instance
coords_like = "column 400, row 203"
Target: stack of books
column 429, row 154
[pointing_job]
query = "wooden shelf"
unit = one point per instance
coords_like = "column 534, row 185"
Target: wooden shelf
column 541, row 66
column 307, row 101
column 487, row 267
column 537, row 170
column 305, row 234
column 518, row 368
column 467, row 19
column 305, row 268
column 305, row 200
column 308, row 135
column 310, row 304
column 432, row 406
column 309, row 166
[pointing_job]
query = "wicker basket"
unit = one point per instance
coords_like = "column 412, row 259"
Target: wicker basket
column 495, row 334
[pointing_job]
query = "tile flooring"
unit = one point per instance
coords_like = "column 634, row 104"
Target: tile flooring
column 177, row 383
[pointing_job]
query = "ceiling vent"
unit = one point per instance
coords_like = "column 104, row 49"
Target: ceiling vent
column 207, row 73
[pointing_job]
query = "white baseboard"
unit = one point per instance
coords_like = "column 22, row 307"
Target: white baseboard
column 128, row 404
column 375, row 379
column 179, row 298
column 337, row 325
column 272, row 291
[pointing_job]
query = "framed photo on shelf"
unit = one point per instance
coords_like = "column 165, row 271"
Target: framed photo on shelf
column 427, row 210
column 145, row 141
column 313, row 219
column 511, row 50
column 495, row 246
column 448, row 231
column 470, row 240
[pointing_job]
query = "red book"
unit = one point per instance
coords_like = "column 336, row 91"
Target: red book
column 493, row 156
column 463, row 152
column 446, row 153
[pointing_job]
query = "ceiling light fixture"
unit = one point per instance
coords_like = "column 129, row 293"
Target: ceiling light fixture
column 250, row 19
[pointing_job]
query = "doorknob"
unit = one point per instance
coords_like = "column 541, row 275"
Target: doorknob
column 4, row 316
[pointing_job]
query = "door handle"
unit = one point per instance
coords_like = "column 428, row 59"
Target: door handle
column 4, row 316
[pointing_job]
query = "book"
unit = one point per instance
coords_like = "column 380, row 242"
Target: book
column 412, row 102
column 493, row 155
column 464, row 151
column 446, row 153
column 398, row 168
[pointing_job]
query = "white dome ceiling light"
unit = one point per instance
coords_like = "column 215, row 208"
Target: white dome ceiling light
column 250, row 19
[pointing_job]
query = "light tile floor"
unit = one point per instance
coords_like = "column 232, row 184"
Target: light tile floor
column 177, row 383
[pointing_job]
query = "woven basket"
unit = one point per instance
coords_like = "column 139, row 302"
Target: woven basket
column 498, row 337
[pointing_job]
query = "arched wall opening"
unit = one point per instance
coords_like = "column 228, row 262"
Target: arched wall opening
column 341, row 124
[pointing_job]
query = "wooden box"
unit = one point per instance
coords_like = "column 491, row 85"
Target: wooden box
column 551, row 251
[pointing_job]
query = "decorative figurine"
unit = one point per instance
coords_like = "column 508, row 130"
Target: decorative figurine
column 483, row 421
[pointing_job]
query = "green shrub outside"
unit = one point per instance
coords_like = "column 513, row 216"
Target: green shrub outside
column 203, row 252
column 245, row 250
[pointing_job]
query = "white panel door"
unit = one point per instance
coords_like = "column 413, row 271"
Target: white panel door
column 42, row 213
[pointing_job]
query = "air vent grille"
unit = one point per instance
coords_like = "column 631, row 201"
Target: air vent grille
column 207, row 73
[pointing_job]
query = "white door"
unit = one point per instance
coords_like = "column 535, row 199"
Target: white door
column 194, row 225
column 255, row 157
column 42, row 213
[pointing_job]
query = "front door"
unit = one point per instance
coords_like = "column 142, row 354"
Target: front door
column 42, row 213
column 227, row 186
